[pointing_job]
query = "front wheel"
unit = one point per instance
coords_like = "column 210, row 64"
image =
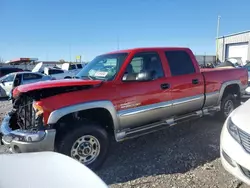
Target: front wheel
column 228, row 104
column 88, row 144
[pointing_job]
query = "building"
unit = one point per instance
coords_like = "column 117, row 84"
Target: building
column 234, row 45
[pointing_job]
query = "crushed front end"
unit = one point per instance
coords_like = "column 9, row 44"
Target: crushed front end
column 23, row 128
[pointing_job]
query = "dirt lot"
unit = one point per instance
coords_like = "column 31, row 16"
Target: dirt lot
column 185, row 155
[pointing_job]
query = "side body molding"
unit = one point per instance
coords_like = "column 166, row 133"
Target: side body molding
column 57, row 114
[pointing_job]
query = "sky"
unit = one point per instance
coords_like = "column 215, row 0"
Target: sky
column 63, row 29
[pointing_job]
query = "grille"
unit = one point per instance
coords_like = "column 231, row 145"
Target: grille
column 245, row 140
column 26, row 114
column 245, row 171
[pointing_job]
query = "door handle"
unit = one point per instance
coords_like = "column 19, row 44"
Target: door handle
column 195, row 81
column 165, row 86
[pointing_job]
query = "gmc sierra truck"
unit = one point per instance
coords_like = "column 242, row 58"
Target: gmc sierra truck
column 123, row 94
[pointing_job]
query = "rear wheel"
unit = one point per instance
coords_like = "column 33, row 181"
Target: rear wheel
column 88, row 144
column 228, row 104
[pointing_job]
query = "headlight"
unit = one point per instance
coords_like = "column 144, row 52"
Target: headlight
column 233, row 130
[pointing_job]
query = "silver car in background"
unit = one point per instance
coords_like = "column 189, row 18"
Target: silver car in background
column 9, row 81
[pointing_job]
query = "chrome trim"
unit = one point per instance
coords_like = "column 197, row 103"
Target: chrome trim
column 188, row 99
column 26, row 140
column 188, row 104
column 141, row 109
column 143, row 115
column 57, row 114
column 170, row 121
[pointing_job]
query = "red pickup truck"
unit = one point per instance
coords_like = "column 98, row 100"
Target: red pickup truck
column 126, row 94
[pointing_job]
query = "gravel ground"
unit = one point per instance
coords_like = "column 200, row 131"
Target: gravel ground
column 185, row 155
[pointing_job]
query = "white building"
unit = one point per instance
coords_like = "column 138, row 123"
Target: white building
column 234, row 45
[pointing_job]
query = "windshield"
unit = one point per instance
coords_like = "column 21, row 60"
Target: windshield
column 8, row 78
column 104, row 67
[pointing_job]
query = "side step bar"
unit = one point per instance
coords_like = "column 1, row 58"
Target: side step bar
column 146, row 129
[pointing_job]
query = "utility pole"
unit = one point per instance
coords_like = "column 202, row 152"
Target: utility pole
column 217, row 36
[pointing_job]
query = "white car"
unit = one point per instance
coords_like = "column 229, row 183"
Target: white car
column 45, row 170
column 11, row 80
column 235, row 143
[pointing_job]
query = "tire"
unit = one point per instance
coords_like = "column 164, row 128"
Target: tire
column 93, row 135
column 228, row 104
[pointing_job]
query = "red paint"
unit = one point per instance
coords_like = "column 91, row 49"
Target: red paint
column 56, row 83
column 138, row 93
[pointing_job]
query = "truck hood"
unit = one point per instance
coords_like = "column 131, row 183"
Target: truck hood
column 57, row 83
column 240, row 116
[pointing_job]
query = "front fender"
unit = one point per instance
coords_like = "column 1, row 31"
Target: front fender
column 57, row 114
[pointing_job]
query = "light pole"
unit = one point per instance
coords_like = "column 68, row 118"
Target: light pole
column 217, row 37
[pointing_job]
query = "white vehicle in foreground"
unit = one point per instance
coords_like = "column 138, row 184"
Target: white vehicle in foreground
column 235, row 143
column 45, row 170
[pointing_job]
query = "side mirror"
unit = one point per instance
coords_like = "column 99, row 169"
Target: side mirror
column 145, row 76
column 142, row 76
column 2, row 81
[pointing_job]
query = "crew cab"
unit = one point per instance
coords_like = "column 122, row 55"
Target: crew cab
column 124, row 94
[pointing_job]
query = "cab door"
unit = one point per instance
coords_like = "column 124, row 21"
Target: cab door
column 143, row 102
column 187, row 83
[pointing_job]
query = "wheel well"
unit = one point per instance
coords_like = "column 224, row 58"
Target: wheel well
column 100, row 116
column 67, row 77
column 232, row 89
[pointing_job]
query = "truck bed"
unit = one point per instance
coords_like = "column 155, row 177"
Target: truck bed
column 214, row 77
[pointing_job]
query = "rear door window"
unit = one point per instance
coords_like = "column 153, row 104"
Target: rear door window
column 54, row 71
column 79, row 66
column 72, row 67
column 179, row 62
column 29, row 76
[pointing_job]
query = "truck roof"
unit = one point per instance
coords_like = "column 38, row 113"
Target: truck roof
column 148, row 49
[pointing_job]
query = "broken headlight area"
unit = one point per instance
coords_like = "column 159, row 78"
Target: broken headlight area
column 29, row 114
column 24, row 136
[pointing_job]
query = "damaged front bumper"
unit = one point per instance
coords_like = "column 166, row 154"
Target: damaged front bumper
column 20, row 141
